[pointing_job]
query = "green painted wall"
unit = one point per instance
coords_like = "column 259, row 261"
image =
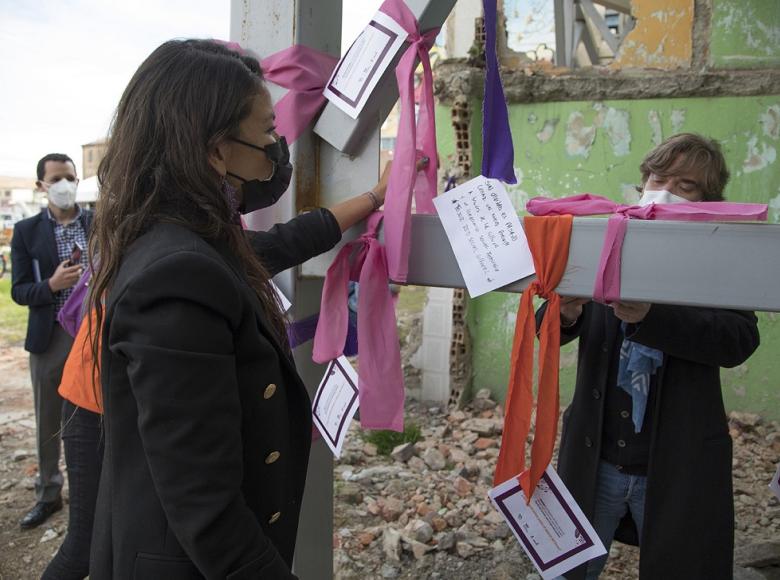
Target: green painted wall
column 745, row 33
column 574, row 147
column 445, row 134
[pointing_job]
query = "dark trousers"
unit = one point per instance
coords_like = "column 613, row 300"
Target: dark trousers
column 46, row 373
column 83, row 439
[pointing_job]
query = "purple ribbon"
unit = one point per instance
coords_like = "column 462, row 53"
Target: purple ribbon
column 498, row 153
column 302, row 331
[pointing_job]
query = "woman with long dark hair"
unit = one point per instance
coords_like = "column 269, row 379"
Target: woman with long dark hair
column 207, row 423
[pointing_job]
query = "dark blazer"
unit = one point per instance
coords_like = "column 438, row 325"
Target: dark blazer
column 689, row 511
column 207, row 423
column 33, row 243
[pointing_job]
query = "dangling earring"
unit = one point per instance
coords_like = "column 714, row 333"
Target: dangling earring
column 231, row 193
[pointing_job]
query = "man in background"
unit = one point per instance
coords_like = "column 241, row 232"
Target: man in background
column 48, row 255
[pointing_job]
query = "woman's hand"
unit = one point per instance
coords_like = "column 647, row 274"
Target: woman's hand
column 351, row 211
column 380, row 189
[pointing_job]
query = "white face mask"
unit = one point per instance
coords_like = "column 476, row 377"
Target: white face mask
column 62, row 194
column 659, row 196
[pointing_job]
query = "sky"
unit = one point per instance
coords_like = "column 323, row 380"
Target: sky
column 65, row 63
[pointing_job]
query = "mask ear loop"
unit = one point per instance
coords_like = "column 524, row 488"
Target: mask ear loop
column 241, row 179
column 277, row 145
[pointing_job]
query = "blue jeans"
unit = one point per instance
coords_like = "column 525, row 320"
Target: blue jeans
column 616, row 495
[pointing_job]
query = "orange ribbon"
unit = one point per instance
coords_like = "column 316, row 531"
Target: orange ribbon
column 548, row 238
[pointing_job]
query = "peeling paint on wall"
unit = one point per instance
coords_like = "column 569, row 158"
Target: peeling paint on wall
column 579, row 136
column 662, row 37
column 619, row 134
column 770, row 122
column 678, row 120
column 745, row 33
column 758, row 157
column 656, row 132
column 548, row 130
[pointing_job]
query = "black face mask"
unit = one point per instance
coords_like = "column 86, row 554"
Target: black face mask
column 259, row 194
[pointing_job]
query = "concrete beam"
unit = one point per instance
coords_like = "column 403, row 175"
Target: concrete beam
column 688, row 263
column 454, row 78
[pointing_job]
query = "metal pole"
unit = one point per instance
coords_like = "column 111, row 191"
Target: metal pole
column 267, row 27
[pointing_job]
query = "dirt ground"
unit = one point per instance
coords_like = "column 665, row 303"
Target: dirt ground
column 23, row 553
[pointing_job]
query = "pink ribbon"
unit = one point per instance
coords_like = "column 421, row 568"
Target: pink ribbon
column 305, row 72
column 607, row 286
column 381, row 384
column 412, row 136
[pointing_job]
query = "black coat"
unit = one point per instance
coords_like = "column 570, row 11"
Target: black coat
column 689, row 510
column 33, row 241
column 207, row 423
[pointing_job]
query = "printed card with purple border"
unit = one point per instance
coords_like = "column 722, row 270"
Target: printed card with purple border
column 774, row 485
column 335, row 403
column 552, row 529
column 286, row 304
column 359, row 70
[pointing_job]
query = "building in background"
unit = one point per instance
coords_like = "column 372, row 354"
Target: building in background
column 91, row 155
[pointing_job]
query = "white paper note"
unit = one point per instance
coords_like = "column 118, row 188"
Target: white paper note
column 359, row 70
column 286, row 304
column 552, row 529
column 774, row 485
column 485, row 234
column 335, row 403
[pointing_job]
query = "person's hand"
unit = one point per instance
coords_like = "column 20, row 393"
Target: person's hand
column 571, row 309
column 380, row 189
column 65, row 276
column 631, row 312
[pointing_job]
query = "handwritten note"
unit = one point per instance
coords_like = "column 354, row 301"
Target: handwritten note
column 552, row 529
column 485, row 234
column 360, row 69
column 335, row 403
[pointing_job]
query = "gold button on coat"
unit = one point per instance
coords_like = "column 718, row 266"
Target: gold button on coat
column 273, row 456
column 269, row 391
column 274, row 517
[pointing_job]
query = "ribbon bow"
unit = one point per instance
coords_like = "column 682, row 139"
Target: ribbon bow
column 607, row 286
column 548, row 239
column 304, row 71
column 412, row 136
column 380, row 385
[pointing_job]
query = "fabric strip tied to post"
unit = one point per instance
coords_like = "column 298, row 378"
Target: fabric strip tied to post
column 413, row 135
column 305, row 72
column 548, row 239
column 381, row 385
column 498, row 154
column 607, row 286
